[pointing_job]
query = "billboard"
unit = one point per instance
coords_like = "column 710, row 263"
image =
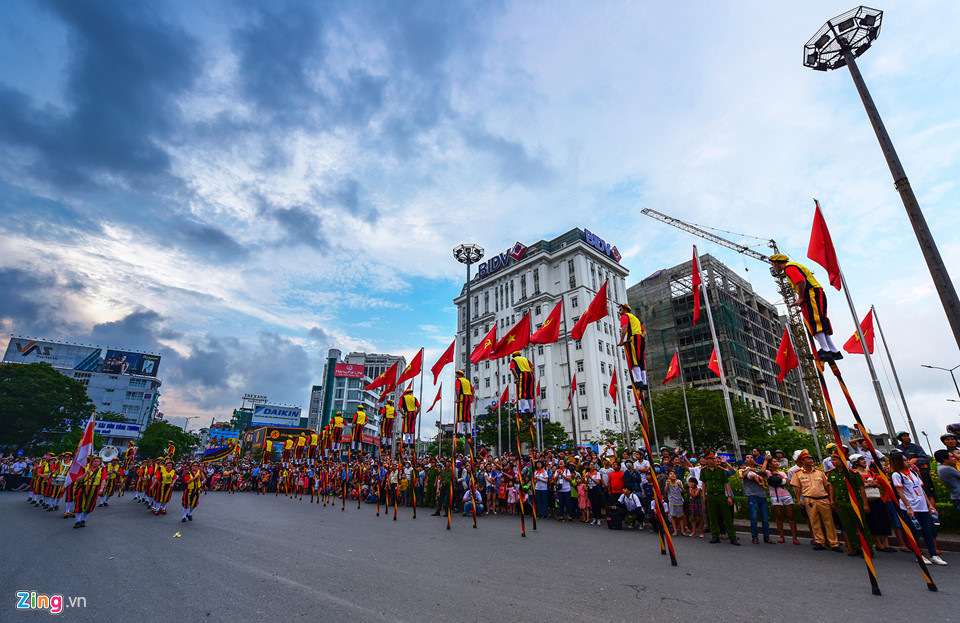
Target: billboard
column 275, row 415
column 348, row 370
column 125, row 362
column 70, row 356
column 220, row 433
column 116, row 429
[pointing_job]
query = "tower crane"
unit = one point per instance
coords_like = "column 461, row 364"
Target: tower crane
column 808, row 367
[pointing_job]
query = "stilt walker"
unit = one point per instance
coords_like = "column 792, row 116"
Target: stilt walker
column 463, row 392
column 522, row 371
column 336, row 438
column 409, row 410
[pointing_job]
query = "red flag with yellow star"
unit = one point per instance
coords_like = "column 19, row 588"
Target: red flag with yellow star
column 386, row 379
column 853, row 345
column 482, row 351
column 516, row 338
column 714, row 362
column 412, row 369
column 445, row 358
column 549, row 332
column 786, row 357
column 821, row 248
column 674, row 370
column 613, row 387
column 596, row 311
column 504, row 397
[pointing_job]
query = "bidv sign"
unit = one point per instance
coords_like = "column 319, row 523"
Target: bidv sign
column 598, row 243
column 501, row 260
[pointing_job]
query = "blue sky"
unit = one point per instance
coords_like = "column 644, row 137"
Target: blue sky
column 243, row 185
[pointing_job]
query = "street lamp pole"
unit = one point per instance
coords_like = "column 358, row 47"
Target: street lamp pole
column 950, row 370
column 838, row 43
column 468, row 254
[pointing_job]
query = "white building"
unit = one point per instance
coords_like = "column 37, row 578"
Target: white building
column 533, row 279
column 121, row 381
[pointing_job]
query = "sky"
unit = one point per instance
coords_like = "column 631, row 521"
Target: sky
column 241, row 186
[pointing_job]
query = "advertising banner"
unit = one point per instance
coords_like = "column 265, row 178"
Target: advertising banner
column 348, row 370
column 124, row 362
column 219, row 433
column 116, row 429
column 71, row 356
column 274, row 415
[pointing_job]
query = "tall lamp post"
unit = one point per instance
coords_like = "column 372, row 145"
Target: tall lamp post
column 950, row 370
column 468, row 254
column 839, row 42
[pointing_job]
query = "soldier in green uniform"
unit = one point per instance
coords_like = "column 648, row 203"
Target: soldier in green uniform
column 443, row 491
column 431, row 485
column 718, row 498
column 840, row 501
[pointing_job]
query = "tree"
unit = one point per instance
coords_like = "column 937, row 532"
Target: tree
column 69, row 442
column 781, row 435
column 491, row 428
column 111, row 416
column 708, row 418
column 34, row 397
column 154, row 444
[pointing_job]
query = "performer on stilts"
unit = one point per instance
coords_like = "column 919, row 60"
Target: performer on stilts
column 387, row 414
column 192, row 481
column 312, row 449
column 287, row 452
column 301, row 449
column 633, row 338
column 336, row 437
column 522, row 371
column 356, row 431
column 813, row 305
column 410, row 409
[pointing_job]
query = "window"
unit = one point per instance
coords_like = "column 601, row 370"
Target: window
column 536, row 310
column 476, row 303
column 511, row 293
column 608, row 415
column 609, row 350
column 338, row 394
column 582, row 389
column 606, row 388
column 486, row 365
column 573, row 302
column 543, row 393
column 583, row 413
column 105, row 404
column 486, row 383
column 540, row 349
column 577, row 345
column 138, row 382
column 110, row 390
column 601, row 345
column 541, row 369
column 486, row 301
column 476, row 332
column 113, row 377
column 536, row 281
column 523, row 286
column 580, row 365
column 603, row 368
column 134, row 396
column 131, row 409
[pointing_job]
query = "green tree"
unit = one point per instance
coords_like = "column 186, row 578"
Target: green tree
column 155, row 439
column 708, row 418
column 69, row 442
column 34, row 397
column 781, row 435
column 111, row 416
column 491, row 428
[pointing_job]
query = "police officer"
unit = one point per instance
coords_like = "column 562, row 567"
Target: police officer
column 718, row 497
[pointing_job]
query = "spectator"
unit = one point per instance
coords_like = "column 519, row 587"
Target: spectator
column 595, row 491
column 582, row 501
column 615, row 488
column 950, row 441
column 915, row 505
column 674, row 495
column 719, row 498
column 915, row 455
column 562, row 482
column 813, row 486
column 695, row 496
column 753, row 487
column 780, row 497
column 878, row 522
column 633, row 506
column 948, row 473
column 843, row 502
column 469, row 499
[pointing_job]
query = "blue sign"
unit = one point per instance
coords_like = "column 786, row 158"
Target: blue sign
column 598, row 243
column 495, row 263
column 20, row 452
column 116, row 429
column 219, row 433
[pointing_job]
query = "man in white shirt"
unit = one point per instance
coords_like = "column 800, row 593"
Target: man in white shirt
column 633, row 505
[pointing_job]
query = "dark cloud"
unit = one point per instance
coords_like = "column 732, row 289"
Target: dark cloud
column 206, row 366
column 346, row 195
column 208, row 241
column 276, row 52
column 318, row 334
column 126, row 67
column 301, row 227
column 33, row 301
column 514, row 164
column 137, row 330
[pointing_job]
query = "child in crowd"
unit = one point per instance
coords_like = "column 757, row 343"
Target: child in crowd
column 582, row 501
column 696, row 507
column 675, row 501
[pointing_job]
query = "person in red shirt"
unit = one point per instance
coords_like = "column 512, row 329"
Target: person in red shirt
column 615, row 488
column 812, row 303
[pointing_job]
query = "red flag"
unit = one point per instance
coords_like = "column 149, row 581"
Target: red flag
column 613, row 387
column 549, row 332
column 445, row 358
column 537, row 395
column 504, row 397
column 714, row 362
column 386, row 379
column 696, row 289
column 437, row 399
column 853, row 345
column 84, row 449
column 482, row 351
column 596, row 311
column 821, row 248
column 786, row 357
column 674, row 370
column 516, row 338
column 412, row 369
column 573, row 384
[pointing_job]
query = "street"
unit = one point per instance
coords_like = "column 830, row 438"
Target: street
column 249, row 558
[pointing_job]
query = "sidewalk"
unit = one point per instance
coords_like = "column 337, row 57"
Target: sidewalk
column 946, row 542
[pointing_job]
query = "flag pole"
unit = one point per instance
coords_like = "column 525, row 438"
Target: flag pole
column 624, row 412
column 884, row 411
column 499, row 418
column 723, row 372
column 686, row 408
column 896, row 378
column 566, row 342
column 806, row 398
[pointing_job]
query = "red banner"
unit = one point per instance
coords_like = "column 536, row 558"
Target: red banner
column 348, row 370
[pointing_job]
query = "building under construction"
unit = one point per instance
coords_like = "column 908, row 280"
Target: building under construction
column 748, row 330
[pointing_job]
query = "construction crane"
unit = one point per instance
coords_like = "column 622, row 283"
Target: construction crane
column 808, row 366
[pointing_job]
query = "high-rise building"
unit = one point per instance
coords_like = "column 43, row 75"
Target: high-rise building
column 346, row 377
column 531, row 280
column 749, row 329
column 121, row 381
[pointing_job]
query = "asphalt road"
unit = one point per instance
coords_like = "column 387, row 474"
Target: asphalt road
column 249, row 558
